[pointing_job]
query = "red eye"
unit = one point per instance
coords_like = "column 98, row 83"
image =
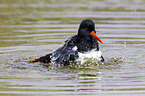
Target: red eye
column 86, row 28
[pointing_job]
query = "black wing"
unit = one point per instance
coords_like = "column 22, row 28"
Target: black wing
column 63, row 55
column 66, row 54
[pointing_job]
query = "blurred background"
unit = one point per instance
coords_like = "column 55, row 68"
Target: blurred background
column 33, row 28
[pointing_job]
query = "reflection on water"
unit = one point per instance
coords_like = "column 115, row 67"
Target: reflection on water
column 30, row 29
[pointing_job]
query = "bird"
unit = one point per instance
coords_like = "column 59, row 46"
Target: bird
column 85, row 42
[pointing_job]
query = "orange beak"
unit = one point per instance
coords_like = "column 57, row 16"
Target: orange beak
column 95, row 36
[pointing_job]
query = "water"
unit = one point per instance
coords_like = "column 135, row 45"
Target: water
column 30, row 29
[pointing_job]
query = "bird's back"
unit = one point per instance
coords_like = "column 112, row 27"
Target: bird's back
column 65, row 54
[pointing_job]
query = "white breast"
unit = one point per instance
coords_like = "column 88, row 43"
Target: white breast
column 92, row 55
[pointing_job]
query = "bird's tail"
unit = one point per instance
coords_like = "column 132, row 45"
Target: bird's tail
column 44, row 59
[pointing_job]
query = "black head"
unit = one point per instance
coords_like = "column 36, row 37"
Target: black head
column 86, row 27
column 87, row 30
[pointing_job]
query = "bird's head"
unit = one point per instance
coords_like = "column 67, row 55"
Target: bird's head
column 87, row 28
